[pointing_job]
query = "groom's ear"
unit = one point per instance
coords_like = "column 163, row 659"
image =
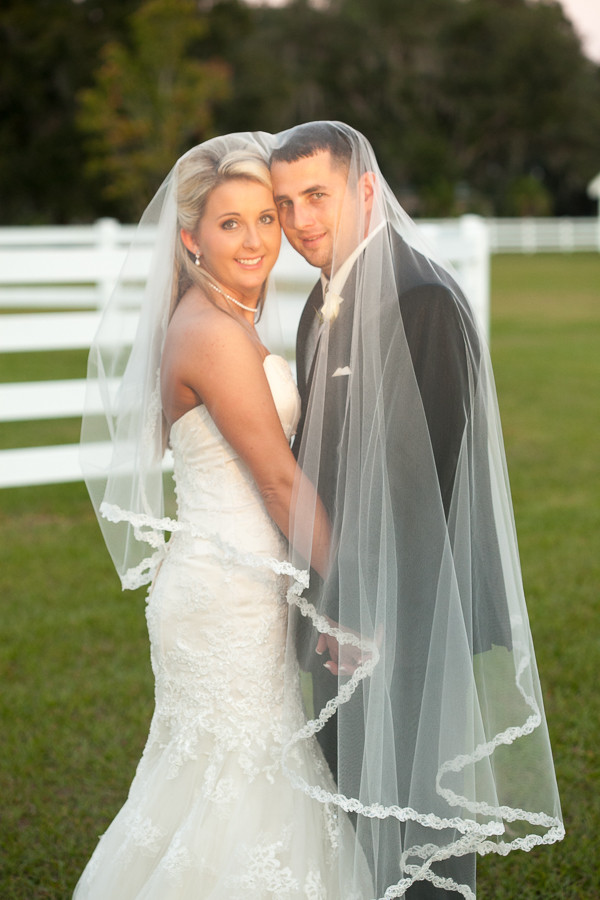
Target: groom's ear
column 366, row 189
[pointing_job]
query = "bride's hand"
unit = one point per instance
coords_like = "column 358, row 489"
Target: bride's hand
column 344, row 659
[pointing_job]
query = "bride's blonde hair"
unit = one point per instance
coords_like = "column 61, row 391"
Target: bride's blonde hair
column 199, row 173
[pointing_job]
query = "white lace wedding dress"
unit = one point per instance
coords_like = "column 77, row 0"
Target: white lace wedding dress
column 210, row 813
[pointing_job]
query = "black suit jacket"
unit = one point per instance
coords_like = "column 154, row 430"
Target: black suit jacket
column 436, row 329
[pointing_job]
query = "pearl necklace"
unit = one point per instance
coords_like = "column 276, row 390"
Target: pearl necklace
column 251, row 309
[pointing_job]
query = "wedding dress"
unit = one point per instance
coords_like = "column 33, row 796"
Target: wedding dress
column 210, row 813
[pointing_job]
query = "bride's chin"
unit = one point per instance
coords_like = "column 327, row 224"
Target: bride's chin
column 249, row 286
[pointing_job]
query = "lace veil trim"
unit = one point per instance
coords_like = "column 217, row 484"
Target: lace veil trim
column 152, row 531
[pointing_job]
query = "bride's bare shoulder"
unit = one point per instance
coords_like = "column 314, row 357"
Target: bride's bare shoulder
column 198, row 326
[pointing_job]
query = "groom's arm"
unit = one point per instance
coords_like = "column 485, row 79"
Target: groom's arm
column 446, row 350
column 435, row 334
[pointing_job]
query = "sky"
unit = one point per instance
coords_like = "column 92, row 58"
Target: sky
column 585, row 16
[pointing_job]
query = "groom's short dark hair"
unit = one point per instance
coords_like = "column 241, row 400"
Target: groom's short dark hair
column 314, row 137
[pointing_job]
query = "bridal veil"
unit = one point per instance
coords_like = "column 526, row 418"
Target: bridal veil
column 442, row 745
column 124, row 454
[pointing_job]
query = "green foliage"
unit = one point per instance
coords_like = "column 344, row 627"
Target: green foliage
column 151, row 101
column 469, row 105
column 534, row 102
column 76, row 695
column 481, row 105
column 47, row 54
column 527, row 196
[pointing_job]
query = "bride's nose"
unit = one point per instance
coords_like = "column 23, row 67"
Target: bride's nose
column 251, row 238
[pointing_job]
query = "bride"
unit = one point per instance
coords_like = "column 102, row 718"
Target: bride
column 210, row 812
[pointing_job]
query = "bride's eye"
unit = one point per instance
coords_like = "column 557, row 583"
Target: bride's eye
column 267, row 219
column 229, row 225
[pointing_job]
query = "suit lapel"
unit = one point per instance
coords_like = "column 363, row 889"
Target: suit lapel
column 304, row 365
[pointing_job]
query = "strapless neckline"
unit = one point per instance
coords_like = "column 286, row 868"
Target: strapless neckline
column 213, row 484
column 201, row 408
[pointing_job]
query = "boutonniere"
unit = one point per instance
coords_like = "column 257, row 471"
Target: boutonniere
column 331, row 306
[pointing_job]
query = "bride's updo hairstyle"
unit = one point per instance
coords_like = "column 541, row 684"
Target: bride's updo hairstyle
column 199, row 173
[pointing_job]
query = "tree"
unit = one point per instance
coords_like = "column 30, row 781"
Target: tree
column 484, row 105
column 48, row 50
column 520, row 103
column 470, row 104
column 152, row 100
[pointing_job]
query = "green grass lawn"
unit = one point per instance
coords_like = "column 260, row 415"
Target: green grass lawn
column 76, row 695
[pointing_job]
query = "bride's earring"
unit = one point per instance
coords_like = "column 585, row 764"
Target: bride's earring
column 197, row 258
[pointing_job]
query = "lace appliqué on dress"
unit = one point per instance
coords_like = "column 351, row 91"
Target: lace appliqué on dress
column 264, row 875
column 177, row 860
column 143, row 836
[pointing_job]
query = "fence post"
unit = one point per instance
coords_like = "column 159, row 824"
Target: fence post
column 593, row 190
column 475, row 236
column 106, row 241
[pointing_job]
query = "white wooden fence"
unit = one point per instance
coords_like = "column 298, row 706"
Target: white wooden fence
column 544, row 235
column 72, row 270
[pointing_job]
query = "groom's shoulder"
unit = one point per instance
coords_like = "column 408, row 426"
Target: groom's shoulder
column 414, row 271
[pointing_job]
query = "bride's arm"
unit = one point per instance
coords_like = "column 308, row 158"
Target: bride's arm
column 221, row 365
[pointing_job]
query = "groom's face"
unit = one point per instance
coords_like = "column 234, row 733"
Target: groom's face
column 310, row 194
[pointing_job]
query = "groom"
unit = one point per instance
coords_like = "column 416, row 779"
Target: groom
column 325, row 210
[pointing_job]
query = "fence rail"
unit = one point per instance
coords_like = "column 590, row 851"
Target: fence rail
column 544, row 235
column 71, row 271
